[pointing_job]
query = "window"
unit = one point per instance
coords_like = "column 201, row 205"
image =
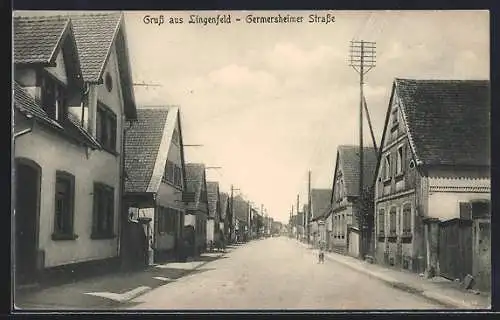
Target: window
column 387, row 167
column 53, row 98
column 407, row 218
column 399, row 161
column 395, row 116
column 203, row 195
column 342, row 225
column 392, row 221
column 381, row 222
column 104, row 211
column 64, row 206
column 465, row 211
column 106, row 127
column 177, row 176
column 108, row 81
column 170, row 171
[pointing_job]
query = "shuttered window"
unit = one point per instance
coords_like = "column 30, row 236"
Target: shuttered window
column 392, row 221
column 407, row 218
column 465, row 211
column 381, row 222
column 104, row 204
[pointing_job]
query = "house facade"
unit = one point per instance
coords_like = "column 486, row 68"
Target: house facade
column 214, row 209
column 72, row 98
column 196, row 200
column 320, row 205
column 224, row 222
column 154, row 183
column 241, row 213
column 345, row 204
column 433, row 167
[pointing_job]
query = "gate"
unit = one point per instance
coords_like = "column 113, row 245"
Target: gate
column 455, row 248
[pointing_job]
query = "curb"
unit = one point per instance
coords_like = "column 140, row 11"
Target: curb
column 429, row 295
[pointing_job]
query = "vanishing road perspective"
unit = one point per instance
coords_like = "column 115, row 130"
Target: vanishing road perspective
column 242, row 160
column 275, row 273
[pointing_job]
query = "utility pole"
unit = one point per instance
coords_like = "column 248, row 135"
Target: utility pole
column 308, row 204
column 362, row 54
column 231, row 229
column 298, row 210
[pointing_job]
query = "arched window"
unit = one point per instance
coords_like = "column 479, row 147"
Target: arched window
column 407, row 218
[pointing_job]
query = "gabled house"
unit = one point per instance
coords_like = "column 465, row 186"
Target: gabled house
column 196, row 200
column 214, row 209
column 241, row 214
column 346, row 206
column 320, row 205
column 68, row 167
column 300, row 224
column 154, row 182
column 224, row 215
column 433, row 170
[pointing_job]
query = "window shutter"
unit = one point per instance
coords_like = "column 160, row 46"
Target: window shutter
column 465, row 211
column 113, row 132
column 403, row 159
column 382, row 169
column 95, row 213
column 98, row 127
column 111, row 210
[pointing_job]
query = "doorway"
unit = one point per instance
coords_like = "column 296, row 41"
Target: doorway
column 27, row 197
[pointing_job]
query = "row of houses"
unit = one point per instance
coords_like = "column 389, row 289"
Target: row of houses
column 425, row 205
column 98, row 180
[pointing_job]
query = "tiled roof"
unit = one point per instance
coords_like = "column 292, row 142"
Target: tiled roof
column 195, row 173
column 320, row 202
column 224, row 199
column 32, row 108
column 349, row 165
column 448, row 120
column 142, row 142
column 240, row 208
column 94, row 34
column 36, row 38
column 213, row 196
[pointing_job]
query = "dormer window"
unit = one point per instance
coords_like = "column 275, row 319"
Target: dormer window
column 53, row 98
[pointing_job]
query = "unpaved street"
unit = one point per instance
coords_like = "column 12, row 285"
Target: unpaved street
column 277, row 273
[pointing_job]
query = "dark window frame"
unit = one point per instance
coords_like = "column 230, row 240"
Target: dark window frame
column 381, row 222
column 106, row 128
column 393, row 221
column 57, row 107
column 406, row 213
column 103, row 192
column 67, row 232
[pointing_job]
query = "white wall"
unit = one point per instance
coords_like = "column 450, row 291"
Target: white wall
column 52, row 152
column 210, row 230
column 445, row 205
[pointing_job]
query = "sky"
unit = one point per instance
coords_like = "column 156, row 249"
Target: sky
column 271, row 102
